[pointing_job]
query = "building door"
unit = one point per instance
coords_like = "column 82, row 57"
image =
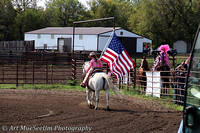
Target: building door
column 61, row 43
column 129, row 44
column 64, row 44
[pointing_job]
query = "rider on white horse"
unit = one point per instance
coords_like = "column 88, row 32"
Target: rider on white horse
column 95, row 64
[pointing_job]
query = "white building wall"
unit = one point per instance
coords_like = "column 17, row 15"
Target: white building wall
column 88, row 42
column 44, row 39
column 180, row 46
column 103, row 40
column 140, row 42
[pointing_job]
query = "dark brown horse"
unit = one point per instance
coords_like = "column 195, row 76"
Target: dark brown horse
column 142, row 72
column 165, row 74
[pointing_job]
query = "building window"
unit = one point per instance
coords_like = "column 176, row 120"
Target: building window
column 80, row 37
column 52, row 36
column 38, row 36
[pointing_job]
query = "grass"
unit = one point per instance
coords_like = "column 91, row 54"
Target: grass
column 73, row 86
column 163, row 102
column 69, row 86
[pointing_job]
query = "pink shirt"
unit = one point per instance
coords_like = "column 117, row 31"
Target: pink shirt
column 94, row 64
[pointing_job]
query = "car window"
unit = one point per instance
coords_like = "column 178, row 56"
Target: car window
column 193, row 91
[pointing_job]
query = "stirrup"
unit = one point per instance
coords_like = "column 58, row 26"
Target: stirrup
column 83, row 85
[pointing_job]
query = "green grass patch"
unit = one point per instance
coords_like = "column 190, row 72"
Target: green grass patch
column 69, row 86
column 50, row 87
column 8, row 86
column 163, row 101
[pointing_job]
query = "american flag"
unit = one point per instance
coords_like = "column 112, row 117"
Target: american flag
column 117, row 58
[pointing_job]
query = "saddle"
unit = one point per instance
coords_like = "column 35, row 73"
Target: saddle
column 96, row 71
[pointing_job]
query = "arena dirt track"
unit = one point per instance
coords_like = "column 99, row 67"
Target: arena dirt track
column 50, row 108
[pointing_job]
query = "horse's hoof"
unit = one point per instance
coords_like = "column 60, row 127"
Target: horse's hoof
column 108, row 109
column 91, row 106
column 95, row 108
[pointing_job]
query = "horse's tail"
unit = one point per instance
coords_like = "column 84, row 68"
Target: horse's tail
column 111, row 85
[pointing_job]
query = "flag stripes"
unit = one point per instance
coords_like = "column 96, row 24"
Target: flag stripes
column 117, row 58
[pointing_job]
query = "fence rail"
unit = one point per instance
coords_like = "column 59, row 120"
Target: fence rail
column 34, row 72
column 173, row 90
column 57, row 68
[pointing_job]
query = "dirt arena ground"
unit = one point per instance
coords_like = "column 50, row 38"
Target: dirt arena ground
column 67, row 111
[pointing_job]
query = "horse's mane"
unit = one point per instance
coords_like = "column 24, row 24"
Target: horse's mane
column 85, row 66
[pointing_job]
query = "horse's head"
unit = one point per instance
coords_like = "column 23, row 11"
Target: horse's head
column 162, row 66
column 85, row 67
column 144, row 63
column 181, row 66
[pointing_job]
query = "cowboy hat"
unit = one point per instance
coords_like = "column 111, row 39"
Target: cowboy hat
column 92, row 54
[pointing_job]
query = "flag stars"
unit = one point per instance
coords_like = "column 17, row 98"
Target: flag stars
column 121, row 63
column 116, row 45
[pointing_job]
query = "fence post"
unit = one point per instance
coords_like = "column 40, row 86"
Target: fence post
column 173, row 62
column 3, row 70
column 135, row 71
column 119, row 83
column 128, row 76
column 17, row 73
column 25, row 64
column 152, row 83
column 73, row 69
column 33, row 72
column 46, row 72
column 51, row 73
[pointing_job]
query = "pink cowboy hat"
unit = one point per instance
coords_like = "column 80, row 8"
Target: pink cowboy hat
column 164, row 47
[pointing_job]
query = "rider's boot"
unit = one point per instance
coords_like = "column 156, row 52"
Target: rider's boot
column 83, row 85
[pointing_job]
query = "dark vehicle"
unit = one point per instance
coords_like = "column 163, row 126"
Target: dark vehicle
column 191, row 114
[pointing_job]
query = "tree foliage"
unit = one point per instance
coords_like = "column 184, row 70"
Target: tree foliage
column 163, row 21
column 64, row 12
column 166, row 21
column 7, row 16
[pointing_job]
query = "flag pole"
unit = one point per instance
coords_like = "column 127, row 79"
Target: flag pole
column 109, row 38
column 107, row 42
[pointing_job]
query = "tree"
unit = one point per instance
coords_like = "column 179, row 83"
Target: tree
column 7, row 16
column 23, row 4
column 65, row 12
column 30, row 19
column 166, row 21
column 120, row 9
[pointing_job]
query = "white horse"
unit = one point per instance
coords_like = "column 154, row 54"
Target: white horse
column 100, row 81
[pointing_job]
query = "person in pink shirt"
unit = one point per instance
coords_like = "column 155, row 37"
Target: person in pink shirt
column 95, row 64
column 162, row 57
